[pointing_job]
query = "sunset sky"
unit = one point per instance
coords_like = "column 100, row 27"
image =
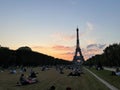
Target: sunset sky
column 49, row 26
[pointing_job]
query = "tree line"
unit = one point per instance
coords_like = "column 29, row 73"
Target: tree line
column 26, row 57
column 109, row 57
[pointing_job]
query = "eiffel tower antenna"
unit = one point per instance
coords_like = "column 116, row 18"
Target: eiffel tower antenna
column 78, row 58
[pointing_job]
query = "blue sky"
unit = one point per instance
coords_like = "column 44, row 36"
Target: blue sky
column 49, row 26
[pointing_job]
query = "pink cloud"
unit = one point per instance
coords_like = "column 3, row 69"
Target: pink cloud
column 67, row 55
column 67, row 52
column 87, row 53
column 60, row 47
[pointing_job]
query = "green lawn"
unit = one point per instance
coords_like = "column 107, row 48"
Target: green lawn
column 106, row 75
column 51, row 77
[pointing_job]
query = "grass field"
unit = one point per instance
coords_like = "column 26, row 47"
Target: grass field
column 51, row 77
column 106, row 75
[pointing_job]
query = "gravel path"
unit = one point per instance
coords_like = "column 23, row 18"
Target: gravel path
column 111, row 87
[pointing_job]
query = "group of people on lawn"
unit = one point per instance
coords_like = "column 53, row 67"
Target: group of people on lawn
column 32, row 78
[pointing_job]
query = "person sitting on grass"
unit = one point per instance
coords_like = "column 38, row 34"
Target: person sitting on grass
column 32, row 74
column 117, row 72
column 24, row 81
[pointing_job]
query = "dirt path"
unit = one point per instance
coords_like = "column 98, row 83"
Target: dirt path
column 111, row 87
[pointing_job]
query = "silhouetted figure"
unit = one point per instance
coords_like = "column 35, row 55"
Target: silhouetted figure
column 61, row 70
column 43, row 68
column 24, row 69
column 117, row 70
column 52, row 88
column 23, row 80
column 32, row 75
column 68, row 88
column 99, row 66
column 113, row 73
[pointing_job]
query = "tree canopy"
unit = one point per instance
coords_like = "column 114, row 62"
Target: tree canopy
column 110, row 56
column 26, row 57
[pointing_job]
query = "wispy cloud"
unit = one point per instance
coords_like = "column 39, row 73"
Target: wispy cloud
column 69, row 53
column 98, row 46
column 60, row 47
column 89, row 26
column 59, row 36
column 101, row 46
column 91, row 46
column 93, row 49
column 62, row 36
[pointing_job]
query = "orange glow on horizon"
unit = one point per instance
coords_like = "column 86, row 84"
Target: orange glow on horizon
column 64, row 52
column 54, row 53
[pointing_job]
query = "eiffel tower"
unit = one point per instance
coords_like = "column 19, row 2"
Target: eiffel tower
column 78, row 59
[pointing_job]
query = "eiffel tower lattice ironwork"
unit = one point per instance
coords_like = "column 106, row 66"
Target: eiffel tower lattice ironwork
column 78, row 58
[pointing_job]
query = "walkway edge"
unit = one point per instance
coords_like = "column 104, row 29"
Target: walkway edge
column 111, row 87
